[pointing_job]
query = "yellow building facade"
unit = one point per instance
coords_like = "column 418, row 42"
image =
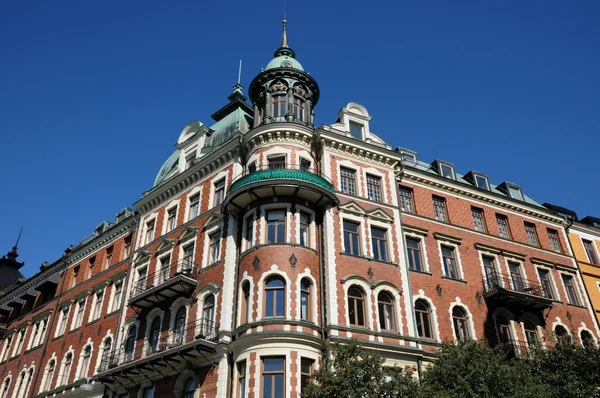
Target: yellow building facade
column 584, row 236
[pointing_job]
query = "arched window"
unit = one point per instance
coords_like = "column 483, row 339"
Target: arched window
column 246, row 302
column 503, row 330
column 154, row 335
column 562, row 336
column 130, row 343
column 179, row 327
column 385, row 303
column 67, row 369
column 423, row 314
column 49, row 375
column 275, row 297
column 587, row 340
column 5, row 388
column 356, row 306
column 27, row 383
column 531, row 334
column 190, row 389
column 305, row 312
column 85, row 362
column 459, row 319
column 19, row 385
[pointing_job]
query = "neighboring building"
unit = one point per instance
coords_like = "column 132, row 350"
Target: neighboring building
column 264, row 237
column 584, row 236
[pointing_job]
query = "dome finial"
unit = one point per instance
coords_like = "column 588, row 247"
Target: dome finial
column 284, row 42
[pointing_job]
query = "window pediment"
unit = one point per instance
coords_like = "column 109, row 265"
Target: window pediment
column 380, row 215
column 143, row 256
column 189, row 233
column 214, row 219
column 353, row 208
column 165, row 245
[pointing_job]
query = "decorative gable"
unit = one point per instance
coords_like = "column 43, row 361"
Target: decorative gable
column 189, row 233
column 213, row 219
column 165, row 245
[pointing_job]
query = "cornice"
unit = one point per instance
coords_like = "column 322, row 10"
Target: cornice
column 293, row 133
column 33, row 282
column 363, row 151
column 205, row 166
column 101, row 241
column 496, row 201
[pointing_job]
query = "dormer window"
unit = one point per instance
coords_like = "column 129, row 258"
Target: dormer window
column 481, row 181
column 189, row 160
column 407, row 155
column 447, row 170
column 515, row 192
column 356, row 130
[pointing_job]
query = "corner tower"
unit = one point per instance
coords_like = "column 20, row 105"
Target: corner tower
column 283, row 91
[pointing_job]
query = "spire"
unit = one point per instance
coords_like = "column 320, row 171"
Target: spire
column 284, row 42
column 238, row 87
column 12, row 255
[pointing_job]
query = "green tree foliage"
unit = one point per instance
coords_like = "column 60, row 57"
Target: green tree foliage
column 469, row 369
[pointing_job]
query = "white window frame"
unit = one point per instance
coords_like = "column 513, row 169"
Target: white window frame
column 483, row 176
column 92, row 316
column 146, row 224
column 360, row 220
column 555, row 293
column 594, row 248
column 449, row 166
column 112, row 304
column 459, row 268
column 288, row 221
column 358, row 178
column 435, row 329
column 388, row 239
column 188, row 203
column 223, row 175
column 251, row 215
column 574, row 280
column 517, row 261
column 313, row 297
column 312, row 240
column 77, row 308
column 209, row 233
column 173, row 205
column 347, row 284
column 470, row 323
column 396, row 297
column 422, row 247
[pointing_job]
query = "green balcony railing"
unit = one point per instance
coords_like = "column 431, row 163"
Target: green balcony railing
column 282, row 172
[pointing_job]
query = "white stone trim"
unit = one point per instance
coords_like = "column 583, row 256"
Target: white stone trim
column 314, row 316
column 459, row 269
column 274, row 271
column 175, row 204
column 250, row 309
column 363, row 234
column 189, row 195
column 396, row 297
column 366, row 288
column 583, row 328
column 359, row 189
column 435, row 328
column 459, row 303
column 223, row 175
column 102, row 347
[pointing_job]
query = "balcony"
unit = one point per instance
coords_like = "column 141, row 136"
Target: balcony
column 190, row 343
column 164, row 284
column 516, row 349
column 289, row 180
column 505, row 289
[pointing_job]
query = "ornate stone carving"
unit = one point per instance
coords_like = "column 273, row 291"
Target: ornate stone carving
column 293, row 260
column 256, row 263
column 279, row 86
column 438, row 289
column 370, row 273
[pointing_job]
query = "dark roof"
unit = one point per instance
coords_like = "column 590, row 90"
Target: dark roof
column 562, row 210
column 593, row 221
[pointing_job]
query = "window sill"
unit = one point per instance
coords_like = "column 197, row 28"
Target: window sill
column 111, row 314
column 32, row 349
column 58, row 337
column 77, row 329
column 368, row 258
column 576, row 305
column 455, row 280
column 92, row 322
column 420, row 272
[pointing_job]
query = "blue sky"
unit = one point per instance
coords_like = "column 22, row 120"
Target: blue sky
column 93, row 95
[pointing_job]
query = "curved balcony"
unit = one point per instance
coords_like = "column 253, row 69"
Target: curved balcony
column 288, row 180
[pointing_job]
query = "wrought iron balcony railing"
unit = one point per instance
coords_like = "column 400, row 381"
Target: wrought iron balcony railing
column 514, row 283
column 184, row 266
column 195, row 331
column 282, row 171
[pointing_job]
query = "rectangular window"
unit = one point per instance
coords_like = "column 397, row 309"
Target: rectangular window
column 276, row 162
column 75, row 276
column 20, row 342
column 554, row 241
column 194, row 206
column 439, row 209
column 306, row 369
column 305, row 164
column 149, row 232
column 188, row 258
column 446, row 171
column 164, row 272
column 531, row 234
column 241, row 382
column 273, row 381
column 374, row 188
column 590, row 252
column 545, row 282
column 478, row 219
column 63, row 322
column 503, row 226
column 413, row 247
column 298, row 109
column 406, row 200
column 348, row 181
column 572, row 297
column 118, row 294
column 276, row 226
column 482, row 182
column 250, row 231
column 516, row 277
column 379, row 242
column 219, row 192
column 449, row 259
column 252, row 168
column 91, row 267
column 356, row 130
column 171, row 219
column 108, row 260
column 279, row 105
column 189, row 160
column 515, row 192
column 80, row 312
column 127, row 250
column 351, row 238
column 215, row 247
column 304, row 225
column 98, row 307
